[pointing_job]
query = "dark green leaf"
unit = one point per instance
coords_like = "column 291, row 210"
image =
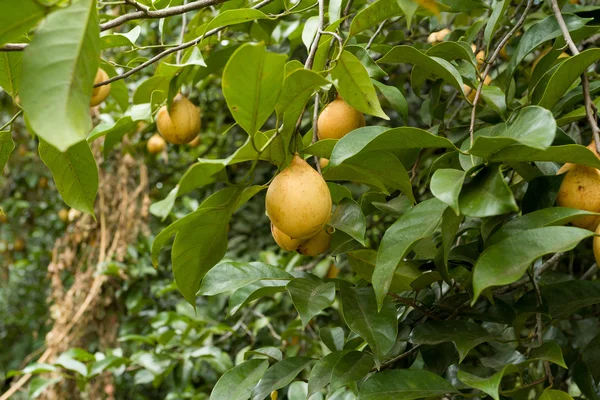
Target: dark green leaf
column 487, row 194
column 320, row 375
column 349, row 218
column 404, row 384
column 238, row 382
column 351, row 367
column 279, row 375
column 333, row 338
column 310, row 297
column 373, row 15
column 446, row 185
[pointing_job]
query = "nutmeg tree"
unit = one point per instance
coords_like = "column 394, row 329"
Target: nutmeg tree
column 400, row 198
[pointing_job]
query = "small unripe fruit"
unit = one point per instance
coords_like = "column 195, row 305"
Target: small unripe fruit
column 156, row 144
column 471, row 92
column 181, row 124
column 298, row 201
column 438, row 36
column 284, row 241
column 316, row 245
column 63, row 215
column 323, row 162
column 100, row 93
column 338, row 119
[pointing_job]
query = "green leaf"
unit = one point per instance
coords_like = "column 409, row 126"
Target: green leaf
column 489, row 385
column 10, row 72
column 75, row 174
column 59, row 67
column 309, row 32
column 498, row 12
column 434, row 65
column 113, row 133
column 351, row 367
column 38, row 385
column 228, row 276
column 591, row 357
column 572, row 153
column 253, row 291
column 417, row 223
column 320, row 375
column 310, row 297
column 487, row 194
column 120, row 39
column 7, row 145
column 279, row 375
column 252, row 81
column 394, row 97
column 378, row 328
column 354, row 85
column 567, row 297
column 562, row 78
column 363, row 263
column 495, row 98
column 373, row 138
column 373, row 15
column 549, row 351
column 465, row 335
column 238, row 382
column 333, row 338
column 200, row 241
column 404, row 384
column 506, row 261
column 232, row 17
column 550, row 394
column 18, row 17
column 446, row 185
column 349, row 218
column 162, row 208
column 553, row 216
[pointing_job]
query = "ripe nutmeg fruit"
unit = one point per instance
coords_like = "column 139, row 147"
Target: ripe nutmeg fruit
column 338, row 119
column 100, row 93
column 156, row 144
column 181, row 124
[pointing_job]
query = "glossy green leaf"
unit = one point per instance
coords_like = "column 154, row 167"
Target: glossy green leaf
column 39, row 384
column 550, row 394
column 10, row 72
column 573, row 153
column 228, row 276
column 59, row 67
column 310, row 297
column 232, row 17
column 309, row 32
column 591, row 357
column 363, row 263
column 253, row 291
column 507, row 261
column 354, row 85
column 434, row 65
column 489, row 385
column 333, row 338
column 351, row 367
column 465, row 335
column 120, row 39
column 75, row 174
column 378, row 328
column 394, row 97
column 279, row 375
column 7, row 145
column 549, row 351
column 495, row 98
column 200, row 241
column 499, row 8
column 320, row 375
column 18, row 17
column 349, row 218
column 487, row 194
column 238, row 382
column 446, row 185
column 373, row 15
column 252, row 81
column 575, row 115
column 562, row 78
column 417, row 223
column 567, row 297
column 404, row 384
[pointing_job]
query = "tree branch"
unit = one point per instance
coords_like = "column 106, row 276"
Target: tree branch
column 137, row 5
column 490, row 62
column 589, row 106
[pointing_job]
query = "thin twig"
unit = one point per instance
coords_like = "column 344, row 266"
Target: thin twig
column 315, row 44
column 490, row 63
column 552, row 261
column 529, row 385
column 11, row 120
column 589, row 106
column 316, row 130
column 377, row 32
column 412, row 304
column 172, row 50
column 400, row 357
column 590, row 272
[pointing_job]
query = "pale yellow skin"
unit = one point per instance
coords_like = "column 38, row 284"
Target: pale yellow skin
column 100, row 93
column 323, row 162
column 471, row 93
column 195, row 142
column 580, row 189
column 438, row 36
column 338, row 119
column 156, row 144
column 284, row 241
column 539, row 58
column 180, row 125
column 316, row 245
column 298, row 201
column 63, row 215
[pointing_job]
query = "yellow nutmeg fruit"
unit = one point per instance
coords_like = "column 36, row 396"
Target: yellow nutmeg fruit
column 470, row 92
column 63, row 215
column 181, row 124
column 438, row 36
column 156, row 144
column 100, row 93
column 323, row 162
column 338, row 119
column 298, row 201
column 195, row 142
column 284, row 241
column 316, row 245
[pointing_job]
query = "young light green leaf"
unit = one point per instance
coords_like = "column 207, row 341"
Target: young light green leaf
column 252, row 81
column 18, row 17
column 506, row 261
column 446, row 185
column 378, row 328
column 229, row 276
column 465, row 335
column 394, row 97
column 59, row 67
column 417, row 223
column 238, row 382
column 487, row 195
column 120, row 39
column 363, row 263
column 354, row 85
column 311, row 26
column 310, row 297
column 10, row 72
column 404, row 384
column 279, row 375
column 75, row 174
column 253, row 291
column 232, row 17
column 7, row 145
column 351, row 367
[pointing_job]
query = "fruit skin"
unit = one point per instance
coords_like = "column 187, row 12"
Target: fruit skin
column 284, row 241
column 195, row 142
column 156, row 144
column 316, row 245
column 181, row 124
column 470, row 92
column 63, row 215
column 323, row 162
column 100, row 93
column 580, row 189
column 298, row 201
column 438, row 36
column 338, row 119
